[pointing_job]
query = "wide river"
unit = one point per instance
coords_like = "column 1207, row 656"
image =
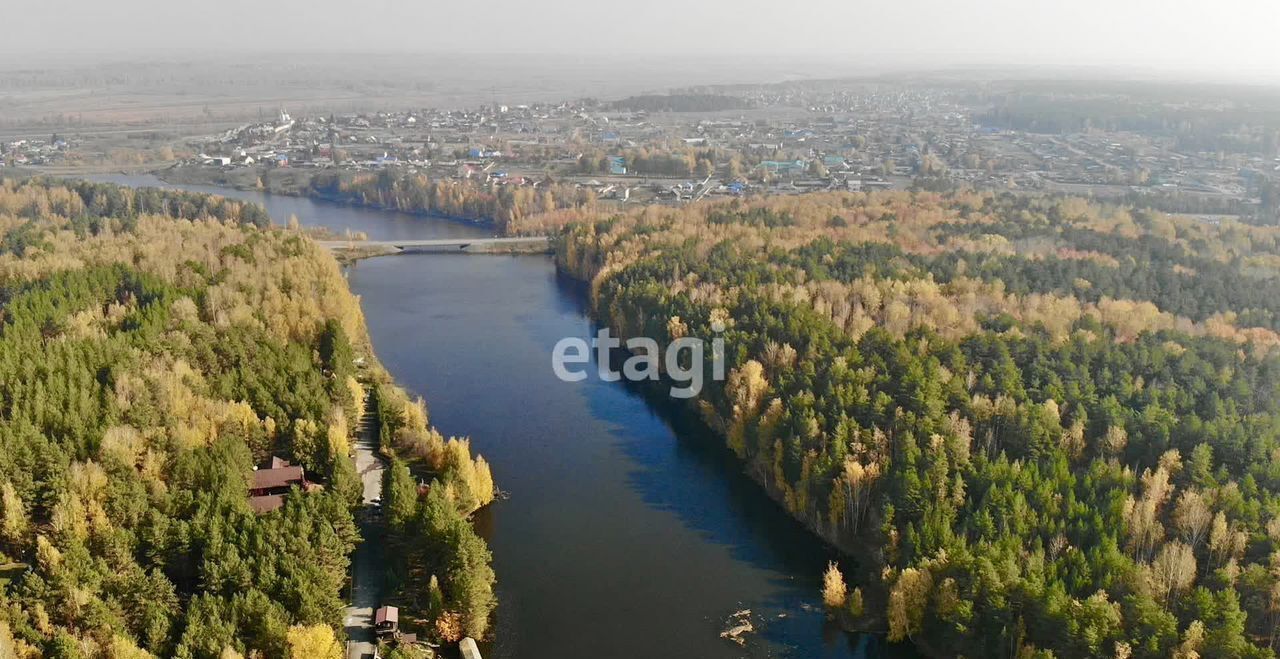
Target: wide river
column 628, row 534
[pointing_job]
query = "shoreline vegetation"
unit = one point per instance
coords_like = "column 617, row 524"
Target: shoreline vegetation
column 1043, row 427
column 155, row 348
column 441, row 573
column 511, row 211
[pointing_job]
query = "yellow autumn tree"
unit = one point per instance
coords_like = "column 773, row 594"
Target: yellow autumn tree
column 124, row 648
column 14, row 523
column 312, row 642
column 122, row 443
column 1225, row 541
column 833, row 587
column 8, row 646
column 907, row 601
column 357, row 393
column 336, row 435
column 745, row 390
column 47, row 556
column 1192, row 642
column 484, row 488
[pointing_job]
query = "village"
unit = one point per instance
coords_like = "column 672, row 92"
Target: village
column 772, row 140
column 766, row 139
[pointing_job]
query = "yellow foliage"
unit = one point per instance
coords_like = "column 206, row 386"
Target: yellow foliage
column 14, row 524
column 123, row 444
column 337, row 434
column 484, row 488
column 746, row 389
column 357, row 393
column 834, row 590
column 8, row 646
column 312, row 642
column 123, row 648
column 47, row 556
column 907, row 602
column 414, row 414
column 1192, row 641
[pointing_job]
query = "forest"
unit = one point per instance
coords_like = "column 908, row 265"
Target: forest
column 155, row 348
column 507, row 207
column 1038, row 426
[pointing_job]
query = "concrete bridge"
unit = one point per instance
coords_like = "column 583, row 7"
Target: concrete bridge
column 367, row 248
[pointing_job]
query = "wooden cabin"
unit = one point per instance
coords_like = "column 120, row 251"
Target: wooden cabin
column 269, row 485
column 386, row 621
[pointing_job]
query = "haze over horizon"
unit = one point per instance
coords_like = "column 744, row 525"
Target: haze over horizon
column 1228, row 40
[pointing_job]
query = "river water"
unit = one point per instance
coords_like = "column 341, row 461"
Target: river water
column 628, row 532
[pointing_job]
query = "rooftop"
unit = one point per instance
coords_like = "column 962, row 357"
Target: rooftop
column 266, row 503
column 386, row 614
column 266, row 479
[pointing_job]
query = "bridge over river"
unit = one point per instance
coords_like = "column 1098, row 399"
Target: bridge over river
column 368, row 248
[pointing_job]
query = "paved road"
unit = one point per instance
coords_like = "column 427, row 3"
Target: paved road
column 366, row 564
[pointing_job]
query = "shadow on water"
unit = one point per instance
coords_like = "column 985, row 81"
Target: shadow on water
column 700, row 478
column 700, row 481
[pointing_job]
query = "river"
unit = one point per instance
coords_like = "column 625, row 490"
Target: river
column 628, row 532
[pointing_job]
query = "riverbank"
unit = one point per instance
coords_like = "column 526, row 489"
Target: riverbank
column 615, row 506
column 289, row 183
column 860, row 559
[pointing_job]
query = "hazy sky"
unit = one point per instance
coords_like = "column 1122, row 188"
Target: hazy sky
column 1233, row 37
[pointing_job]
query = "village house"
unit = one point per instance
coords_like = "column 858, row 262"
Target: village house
column 268, row 486
column 386, row 621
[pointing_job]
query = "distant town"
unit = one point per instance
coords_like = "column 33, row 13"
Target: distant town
column 1203, row 154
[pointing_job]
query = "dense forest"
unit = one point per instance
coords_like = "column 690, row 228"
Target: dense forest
column 155, row 348
column 1042, row 427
